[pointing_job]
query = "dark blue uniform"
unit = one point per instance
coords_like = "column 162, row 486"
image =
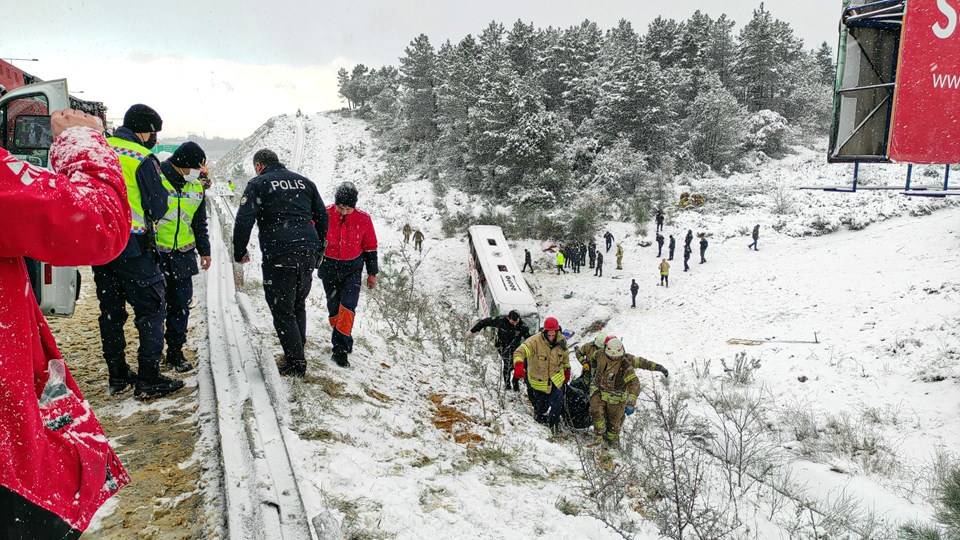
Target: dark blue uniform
column 135, row 277
column 179, row 267
column 292, row 220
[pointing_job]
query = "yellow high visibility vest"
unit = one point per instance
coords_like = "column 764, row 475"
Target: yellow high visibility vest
column 131, row 155
column 175, row 228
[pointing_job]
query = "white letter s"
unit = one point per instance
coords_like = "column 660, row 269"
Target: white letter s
column 951, row 15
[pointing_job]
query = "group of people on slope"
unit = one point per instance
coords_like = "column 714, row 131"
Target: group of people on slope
column 541, row 362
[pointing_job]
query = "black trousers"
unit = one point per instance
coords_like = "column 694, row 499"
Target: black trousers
column 526, row 265
column 179, row 294
column 22, row 520
column 117, row 286
column 546, row 407
column 671, row 253
column 286, row 283
column 506, row 356
column 599, row 270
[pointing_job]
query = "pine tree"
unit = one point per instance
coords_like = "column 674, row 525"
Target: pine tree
column 419, row 100
column 343, row 85
column 714, row 129
column 721, row 50
column 459, row 76
column 766, row 57
column 826, row 64
column 662, row 42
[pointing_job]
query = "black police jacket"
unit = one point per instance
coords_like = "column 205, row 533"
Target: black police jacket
column 509, row 337
column 288, row 210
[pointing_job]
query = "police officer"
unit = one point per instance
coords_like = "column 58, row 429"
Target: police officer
column 290, row 215
column 351, row 245
column 134, row 276
column 181, row 234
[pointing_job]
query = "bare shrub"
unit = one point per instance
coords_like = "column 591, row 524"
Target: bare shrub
column 782, row 200
column 742, row 369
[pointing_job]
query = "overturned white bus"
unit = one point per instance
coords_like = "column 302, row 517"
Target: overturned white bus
column 496, row 284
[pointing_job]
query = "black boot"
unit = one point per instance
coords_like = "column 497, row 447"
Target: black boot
column 340, row 358
column 294, row 368
column 151, row 384
column 176, row 360
column 120, row 378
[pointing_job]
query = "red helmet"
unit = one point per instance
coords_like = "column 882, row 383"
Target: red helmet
column 551, row 323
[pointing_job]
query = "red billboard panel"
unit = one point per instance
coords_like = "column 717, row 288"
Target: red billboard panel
column 926, row 113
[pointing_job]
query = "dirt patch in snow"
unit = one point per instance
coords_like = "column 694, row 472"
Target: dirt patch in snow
column 450, row 419
column 156, row 441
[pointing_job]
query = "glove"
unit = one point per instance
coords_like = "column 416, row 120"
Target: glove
column 469, row 334
column 566, row 376
column 664, row 371
column 586, row 366
column 628, row 411
column 519, row 372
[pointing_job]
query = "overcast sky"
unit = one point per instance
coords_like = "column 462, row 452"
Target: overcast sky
column 222, row 67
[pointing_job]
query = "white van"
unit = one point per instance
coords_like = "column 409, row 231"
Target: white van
column 496, row 283
column 26, row 134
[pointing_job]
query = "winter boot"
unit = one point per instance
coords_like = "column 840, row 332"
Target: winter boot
column 120, row 376
column 176, row 360
column 340, row 358
column 151, row 384
column 292, row 368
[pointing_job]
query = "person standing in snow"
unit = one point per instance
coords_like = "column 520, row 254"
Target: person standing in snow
column 351, row 246
column 592, row 248
column 609, row 238
column 703, row 248
column 686, row 257
column 418, row 240
column 527, row 261
column 659, row 245
column 671, row 246
column 58, row 467
column 664, row 273
column 576, row 257
column 181, row 234
column 544, row 362
column 619, row 256
column 659, row 220
column 560, row 260
column 407, row 230
column 689, row 239
column 511, row 332
column 756, row 237
column 289, row 212
column 634, row 289
column 135, row 276
column 599, row 271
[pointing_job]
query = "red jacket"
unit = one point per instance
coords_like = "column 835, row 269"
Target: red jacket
column 350, row 236
column 56, row 456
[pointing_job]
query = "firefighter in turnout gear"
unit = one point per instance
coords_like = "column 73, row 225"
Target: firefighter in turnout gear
column 614, row 388
column 181, row 234
column 511, row 332
column 134, row 276
column 543, row 360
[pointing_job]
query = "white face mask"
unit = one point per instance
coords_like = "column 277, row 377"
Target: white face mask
column 194, row 174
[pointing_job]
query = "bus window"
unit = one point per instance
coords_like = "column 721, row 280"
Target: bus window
column 501, row 268
column 491, row 241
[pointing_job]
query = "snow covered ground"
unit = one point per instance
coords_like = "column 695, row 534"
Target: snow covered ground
column 856, row 333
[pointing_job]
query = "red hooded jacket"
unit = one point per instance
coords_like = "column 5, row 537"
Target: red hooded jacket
column 54, row 455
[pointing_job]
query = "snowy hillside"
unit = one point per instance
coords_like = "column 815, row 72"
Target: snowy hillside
column 846, row 392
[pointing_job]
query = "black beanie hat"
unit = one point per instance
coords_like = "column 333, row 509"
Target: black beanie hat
column 189, row 156
column 346, row 195
column 142, row 119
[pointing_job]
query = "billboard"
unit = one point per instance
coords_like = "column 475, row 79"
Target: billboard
column 925, row 127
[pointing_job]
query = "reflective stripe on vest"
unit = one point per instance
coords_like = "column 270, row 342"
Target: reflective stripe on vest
column 130, row 156
column 175, row 228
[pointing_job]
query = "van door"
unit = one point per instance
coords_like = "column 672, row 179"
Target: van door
column 25, row 132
